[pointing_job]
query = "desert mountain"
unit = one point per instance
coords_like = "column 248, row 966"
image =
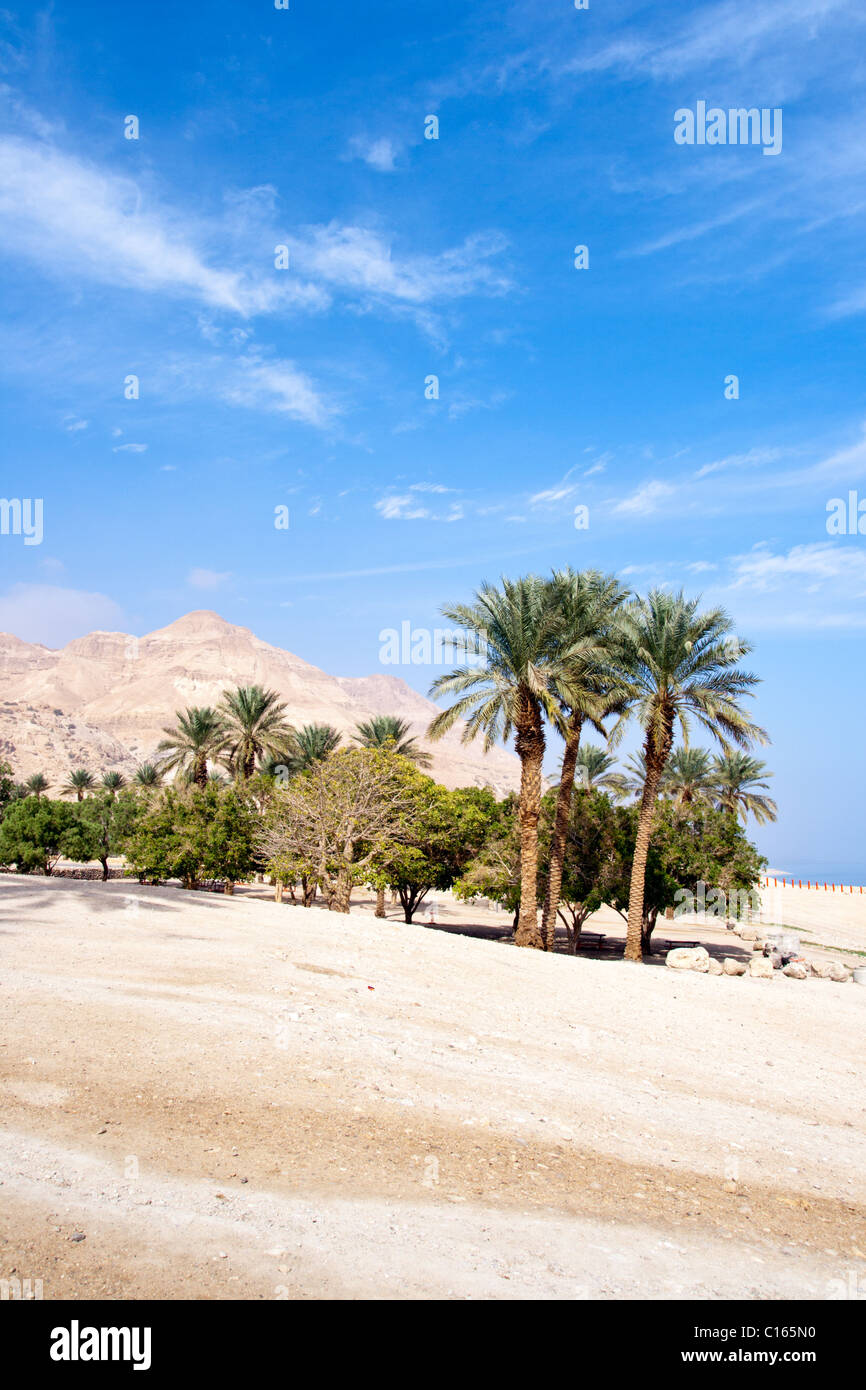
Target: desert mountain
column 102, row 701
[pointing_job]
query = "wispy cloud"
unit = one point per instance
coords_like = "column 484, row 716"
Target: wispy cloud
column 379, row 153
column 646, row 500
column 68, row 215
column 276, row 385
column 405, row 507
column 362, row 260
column 754, row 458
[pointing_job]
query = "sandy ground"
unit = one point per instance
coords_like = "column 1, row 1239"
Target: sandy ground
column 229, row 1098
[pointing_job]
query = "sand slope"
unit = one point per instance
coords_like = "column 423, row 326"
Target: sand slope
column 231, row 1098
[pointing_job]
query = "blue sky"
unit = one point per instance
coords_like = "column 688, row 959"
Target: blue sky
column 409, row 257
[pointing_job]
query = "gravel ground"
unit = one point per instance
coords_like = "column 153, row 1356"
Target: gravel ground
column 226, row 1097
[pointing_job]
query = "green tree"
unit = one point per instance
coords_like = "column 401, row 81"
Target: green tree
column 694, row 845
column 387, row 732
column 595, row 865
column 161, row 844
column 588, row 687
column 147, row 776
column 313, row 743
column 8, row 792
column 198, row 736
column 102, row 827
column 37, row 785
column 79, row 783
column 256, row 728
column 516, row 658
column 444, row 830
column 32, row 833
column 113, row 782
column 627, row 783
column 689, row 776
column 494, row 871
column 684, row 665
column 741, row 784
column 594, row 768
column 335, row 824
column 223, row 827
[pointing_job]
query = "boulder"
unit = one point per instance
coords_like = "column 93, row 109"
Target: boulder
column 688, row 958
column 839, row 972
column 760, row 968
column 747, row 934
column 714, row 967
column 831, row 970
column 796, row 970
column 731, row 966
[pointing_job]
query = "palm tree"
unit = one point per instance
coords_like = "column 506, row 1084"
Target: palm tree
column 511, row 688
column 113, row 782
column 387, row 732
column 684, row 665
column 147, row 775
column 312, row 744
column 199, row 734
column 256, row 728
column 589, row 689
column 629, row 784
column 80, row 782
column 690, row 776
column 740, row 783
column 593, row 770
column 37, row 784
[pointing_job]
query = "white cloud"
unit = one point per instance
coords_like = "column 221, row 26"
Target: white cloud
column 69, row 215
column 818, row 564
column 401, row 509
column 646, row 500
column 753, row 459
column 406, row 508
column 379, row 154
column 728, row 31
column 52, row 615
column 279, row 386
column 207, row 579
column 73, row 426
column 360, row 260
column 129, row 449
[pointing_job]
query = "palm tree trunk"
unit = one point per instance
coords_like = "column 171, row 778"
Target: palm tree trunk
column 200, row 773
column 380, row 901
column 530, row 749
column 655, row 757
column 560, row 828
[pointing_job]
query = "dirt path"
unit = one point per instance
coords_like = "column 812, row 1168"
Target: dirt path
column 230, row 1098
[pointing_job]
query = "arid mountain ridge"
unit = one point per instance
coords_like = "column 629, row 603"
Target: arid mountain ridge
column 102, row 701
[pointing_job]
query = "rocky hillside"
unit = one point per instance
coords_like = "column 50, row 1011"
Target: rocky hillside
column 102, row 701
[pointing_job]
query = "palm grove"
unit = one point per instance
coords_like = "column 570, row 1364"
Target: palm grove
column 572, row 653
